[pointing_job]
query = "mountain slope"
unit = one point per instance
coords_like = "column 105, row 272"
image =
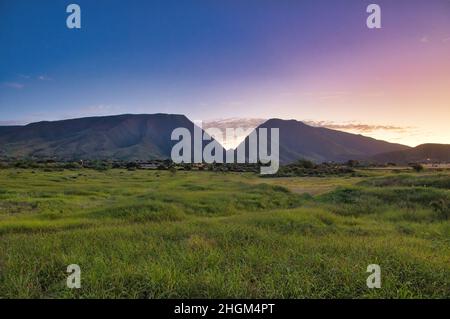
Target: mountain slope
column 126, row 137
column 298, row 140
column 434, row 153
column 148, row 136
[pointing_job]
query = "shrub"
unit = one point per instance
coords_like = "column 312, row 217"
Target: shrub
column 305, row 163
column 442, row 208
column 417, row 167
column 72, row 165
column 131, row 165
column 25, row 164
column 352, row 163
column 101, row 166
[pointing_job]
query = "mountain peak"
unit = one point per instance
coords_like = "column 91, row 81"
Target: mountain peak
column 299, row 140
column 148, row 136
column 124, row 136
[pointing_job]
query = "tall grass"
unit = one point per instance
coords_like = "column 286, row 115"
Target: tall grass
column 146, row 234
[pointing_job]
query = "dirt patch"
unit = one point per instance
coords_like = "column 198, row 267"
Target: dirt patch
column 7, row 207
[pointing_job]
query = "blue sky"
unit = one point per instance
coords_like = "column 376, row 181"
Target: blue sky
column 312, row 60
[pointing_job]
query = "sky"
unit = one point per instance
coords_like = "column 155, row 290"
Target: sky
column 311, row 60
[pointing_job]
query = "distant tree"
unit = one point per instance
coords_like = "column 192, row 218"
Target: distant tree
column 392, row 164
column 305, row 163
column 352, row 163
column 26, row 163
column 131, row 165
column 101, row 165
column 117, row 165
column 72, row 165
column 417, row 167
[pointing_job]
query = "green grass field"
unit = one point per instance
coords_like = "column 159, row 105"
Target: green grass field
column 156, row 234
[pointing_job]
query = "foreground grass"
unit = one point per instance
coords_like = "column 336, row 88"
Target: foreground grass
column 149, row 234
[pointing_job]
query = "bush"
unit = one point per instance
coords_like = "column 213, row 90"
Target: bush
column 131, row 166
column 101, row 166
column 72, row 165
column 352, row 163
column 305, row 163
column 25, row 164
column 417, row 167
column 442, row 208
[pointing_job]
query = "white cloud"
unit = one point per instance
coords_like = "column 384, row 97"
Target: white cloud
column 14, row 85
column 247, row 125
column 12, row 122
column 43, row 78
column 93, row 110
column 357, row 126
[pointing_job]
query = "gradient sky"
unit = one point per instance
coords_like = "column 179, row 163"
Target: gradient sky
column 309, row 60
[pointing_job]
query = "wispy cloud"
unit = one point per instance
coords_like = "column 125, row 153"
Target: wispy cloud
column 351, row 127
column 233, row 123
column 43, row 78
column 424, row 39
column 12, row 122
column 328, row 95
column 445, row 40
column 93, row 110
column 14, row 85
column 325, row 95
column 357, row 127
column 24, row 78
column 343, row 126
column 247, row 125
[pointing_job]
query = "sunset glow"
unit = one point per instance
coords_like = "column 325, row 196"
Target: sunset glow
column 303, row 61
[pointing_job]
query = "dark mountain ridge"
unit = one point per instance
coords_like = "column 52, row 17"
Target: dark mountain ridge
column 319, row 144
column 148, row 136
column 122, row 137
column 425, row 153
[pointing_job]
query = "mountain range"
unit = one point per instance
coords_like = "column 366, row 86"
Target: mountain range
column 432, row 153
column 320, row 144
column 121, row 137
column 148, row 136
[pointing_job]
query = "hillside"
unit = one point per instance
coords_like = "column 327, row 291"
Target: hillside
column 148, row 136
column 433, row 153
column 123, row 137
column 319, row 144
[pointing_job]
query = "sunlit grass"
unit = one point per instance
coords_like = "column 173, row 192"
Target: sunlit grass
column 155, row 234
